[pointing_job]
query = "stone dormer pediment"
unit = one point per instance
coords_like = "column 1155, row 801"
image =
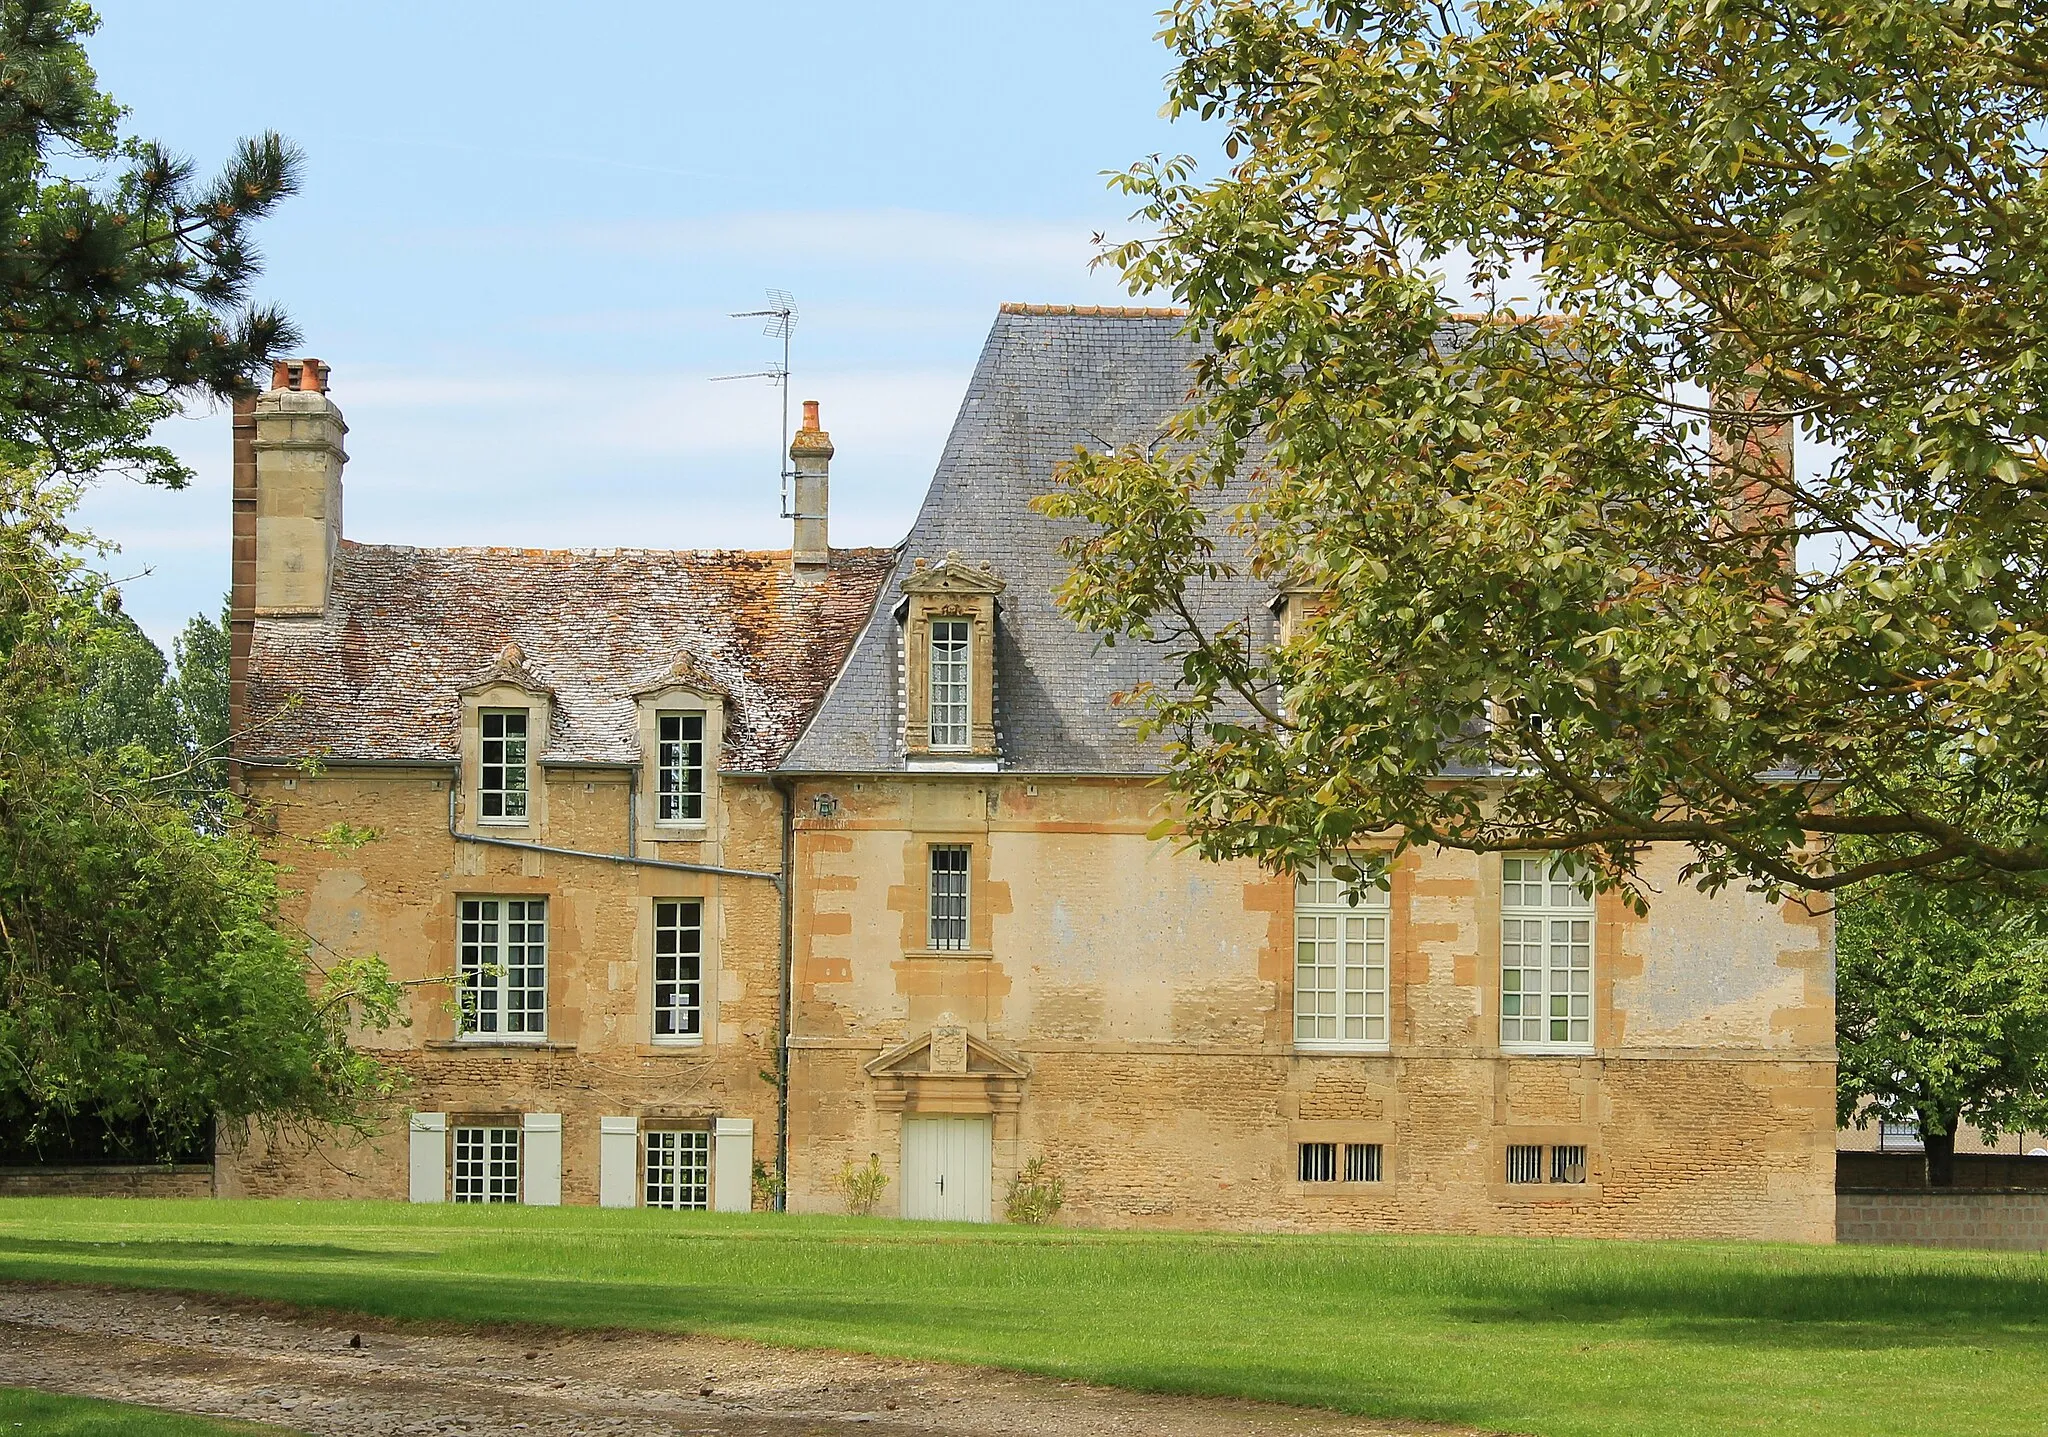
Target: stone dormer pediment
column 684, row 673
column 509, row 670
column 952, row 575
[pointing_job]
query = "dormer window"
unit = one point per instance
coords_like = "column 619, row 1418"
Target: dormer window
column 949, row 697
column 502, row 785
column 679, row 765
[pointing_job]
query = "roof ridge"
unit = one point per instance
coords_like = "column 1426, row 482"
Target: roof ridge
column 602, row 551
column 1097, row 311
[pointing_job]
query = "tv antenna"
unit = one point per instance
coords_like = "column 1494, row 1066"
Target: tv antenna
column 781, row 317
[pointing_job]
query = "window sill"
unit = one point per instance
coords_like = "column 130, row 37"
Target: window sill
column 501, row 1040
column 1364, row 1048
column 981, row 953
column 1340, row 1190
column 670, row 1042
column 1548, row 1050
column 692, row 832
column 504, row 823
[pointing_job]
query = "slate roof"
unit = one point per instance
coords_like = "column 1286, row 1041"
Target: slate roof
column 381, row 675
column 1050, row 378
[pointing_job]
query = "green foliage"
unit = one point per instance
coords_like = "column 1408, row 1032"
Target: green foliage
column 123, row 279
column 1941, row 1012
column 150, row 984
column 202, row 694
column 1572, row 595
column 49, row 1414
column 1036, row 1194
column 1537, row 1336
column 767, row 1187
column 862, row 1185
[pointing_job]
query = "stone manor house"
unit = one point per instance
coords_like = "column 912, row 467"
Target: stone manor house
column 706, row 864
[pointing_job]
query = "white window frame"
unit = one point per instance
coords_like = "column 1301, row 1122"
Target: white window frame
column 514, row 787
column 1547, row 955
column 949, row 926
column 1342, row 955
column 676, row 1169
column 487, row 983
column 679, row 768
column 949, row 712
column 487, row 1163
column 678, row 992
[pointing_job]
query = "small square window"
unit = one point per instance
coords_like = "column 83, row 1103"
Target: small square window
column 1317, row 1163
column 1525, row 1163
column 1361, row 1162
column 1568, row 1163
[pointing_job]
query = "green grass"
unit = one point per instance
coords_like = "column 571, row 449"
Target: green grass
column 1558, row 1338
column 46, row 1414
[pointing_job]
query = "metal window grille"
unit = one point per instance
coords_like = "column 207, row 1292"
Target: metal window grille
column 501, row 788
column 948, row 715
column 678, row 969
column 1525, row 1163
column 1546, row 953
column 1340, row 960
column 502, row 964
column 1568, row 1163
column 1362, row 1162
column 1899, row 1138
column 487, row 1165
column 679, row 767
column 949, row 896
column 679, row 1168
column 1317, row 1163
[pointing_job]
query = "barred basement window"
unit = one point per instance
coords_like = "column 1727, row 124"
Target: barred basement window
column 501, row 787
column 1340, row 961
column 1568, row 1163
column 678, row 969
column 679, row 767
column 949, row 896
column 487, row 1165
column 678, row 1168
column 1317, row 1163
column 1525, row 1163
column 949, row 670
column 502, row 964
column 1546, row 954
column 1361, row 1162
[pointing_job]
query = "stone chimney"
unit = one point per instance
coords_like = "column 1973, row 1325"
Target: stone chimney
column 297, row 479
column 810, row 455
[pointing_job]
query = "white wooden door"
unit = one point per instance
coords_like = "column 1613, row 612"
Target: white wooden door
column 946, row 1165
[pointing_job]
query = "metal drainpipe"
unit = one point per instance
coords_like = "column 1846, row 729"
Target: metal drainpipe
column 784, row 1000
column 626, row 858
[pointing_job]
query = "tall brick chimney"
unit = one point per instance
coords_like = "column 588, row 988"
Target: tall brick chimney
column 810, row 455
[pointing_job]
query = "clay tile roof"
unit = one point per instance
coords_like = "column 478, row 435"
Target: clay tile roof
column 408, row 631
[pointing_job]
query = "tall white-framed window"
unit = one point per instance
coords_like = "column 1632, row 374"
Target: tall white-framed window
column 486, row 1164
column 1340, row 961
column 949, row 684
column 949, row 895
column 678, row 968
column 679, row 767
column 501, row 782
column 1546, row 954
column 678, row 1168
column 502, row 963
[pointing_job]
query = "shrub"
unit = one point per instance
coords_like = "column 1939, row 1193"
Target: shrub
column 1037, row 1193
column 862, row 1186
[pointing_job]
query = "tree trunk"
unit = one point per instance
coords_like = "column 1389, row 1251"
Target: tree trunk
column 1940, row 1149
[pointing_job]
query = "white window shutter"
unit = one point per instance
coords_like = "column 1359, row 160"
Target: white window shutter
column 732, row 1164
column 618, row 1162
column 541, row 1163
column 429, row 1157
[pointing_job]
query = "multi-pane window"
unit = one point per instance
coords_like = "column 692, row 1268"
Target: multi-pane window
column 487, row 1164
column 679, row 767
column 1525, row 1163
column 502, row 953
column 948, row 713
column 678, row 969
column 678, row 1168
column 1340, row 960
column 949, row 895
column 501, row 787
column 1546, row 953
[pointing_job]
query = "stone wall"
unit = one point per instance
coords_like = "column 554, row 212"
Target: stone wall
column 178, row 1180
column 1952, row 1217
column 1148, row 995
column 1893, row 1172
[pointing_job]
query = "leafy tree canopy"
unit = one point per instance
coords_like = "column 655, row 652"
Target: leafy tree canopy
column 123, row 277
column 150, row 982
column 1562, row 589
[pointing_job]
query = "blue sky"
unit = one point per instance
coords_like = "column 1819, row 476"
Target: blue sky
column 523, row 227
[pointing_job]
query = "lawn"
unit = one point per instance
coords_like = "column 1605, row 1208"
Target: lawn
column 47, row 1414
column 1557, row 1338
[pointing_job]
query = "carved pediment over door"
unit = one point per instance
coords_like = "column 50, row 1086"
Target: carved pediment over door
column 949, row 1070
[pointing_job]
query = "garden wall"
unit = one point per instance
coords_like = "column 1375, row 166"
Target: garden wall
column 2008, row 1220
column 152, row 1180
column 1900, row 1171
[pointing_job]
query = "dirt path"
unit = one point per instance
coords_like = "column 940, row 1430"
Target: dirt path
column 305, row 1371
